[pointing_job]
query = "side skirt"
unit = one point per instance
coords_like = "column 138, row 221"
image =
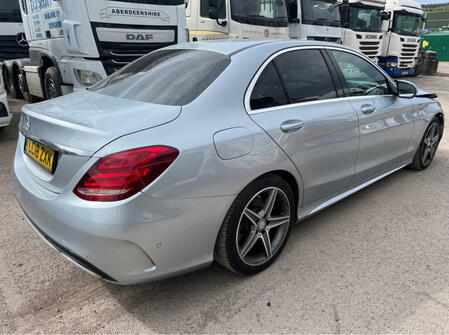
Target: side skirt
column 318, row 206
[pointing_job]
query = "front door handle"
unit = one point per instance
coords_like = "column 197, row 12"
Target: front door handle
column 292, row 125
column 368, row 109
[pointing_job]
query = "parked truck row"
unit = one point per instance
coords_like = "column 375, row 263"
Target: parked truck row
column 51, row 47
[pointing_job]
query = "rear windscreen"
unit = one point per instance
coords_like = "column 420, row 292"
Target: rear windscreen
column 173, row 77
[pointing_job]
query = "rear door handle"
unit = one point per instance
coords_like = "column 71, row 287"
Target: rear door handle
column 367, row 109
column 292, row 125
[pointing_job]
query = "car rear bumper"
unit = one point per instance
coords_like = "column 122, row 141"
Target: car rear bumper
column 127, row 242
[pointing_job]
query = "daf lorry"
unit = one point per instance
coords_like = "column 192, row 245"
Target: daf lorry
column 76, row 43
column 237, row 19
column 401, row 37
column 362, row 22
column 13, row 43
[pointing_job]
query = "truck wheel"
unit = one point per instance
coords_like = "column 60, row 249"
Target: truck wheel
column 22, row 87
column 17, row 83
column 52, row 84
column 6, row 80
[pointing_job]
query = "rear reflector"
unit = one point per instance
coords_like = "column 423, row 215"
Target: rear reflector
column 121, row 175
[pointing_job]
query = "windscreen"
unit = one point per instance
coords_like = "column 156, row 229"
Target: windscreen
column 10, row 11
column 365, row 19
column 321, row 12
column 406, row 24
column 270, row 13
column 172, row 77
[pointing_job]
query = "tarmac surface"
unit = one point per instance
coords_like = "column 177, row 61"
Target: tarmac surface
column 376, row 262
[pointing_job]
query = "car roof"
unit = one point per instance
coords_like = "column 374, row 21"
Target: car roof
column 232, row 47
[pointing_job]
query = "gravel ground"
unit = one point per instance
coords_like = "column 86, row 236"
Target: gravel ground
column 377, row 262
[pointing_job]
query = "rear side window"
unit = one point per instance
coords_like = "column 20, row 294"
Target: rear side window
column 173, row 77
column 268, row 91
column 305, row 76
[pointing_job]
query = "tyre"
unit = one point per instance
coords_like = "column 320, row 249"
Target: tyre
column 6, row 81
column 257, row 226
column 428, row 146
column 17, row 84
column 23, row 89
column 52, row 84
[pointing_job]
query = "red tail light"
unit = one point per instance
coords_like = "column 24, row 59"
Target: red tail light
column 121, row 175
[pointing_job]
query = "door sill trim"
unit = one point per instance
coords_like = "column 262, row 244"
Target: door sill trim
column 349, row 192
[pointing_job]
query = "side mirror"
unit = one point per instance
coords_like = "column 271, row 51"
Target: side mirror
column 385, row 16
column 213, row 3
column 406, row 89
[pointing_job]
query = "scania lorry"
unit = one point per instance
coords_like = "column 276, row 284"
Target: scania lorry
column 362, row 22
column 355, row 23
column 401, row 37
column 318, row 20
column 237, row 19
column 13, row 43
column 76, row 43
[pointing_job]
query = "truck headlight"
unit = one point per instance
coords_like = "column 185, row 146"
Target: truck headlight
column 87, row 78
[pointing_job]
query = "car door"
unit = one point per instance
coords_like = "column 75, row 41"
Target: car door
column 294, row 99
column 386, row 121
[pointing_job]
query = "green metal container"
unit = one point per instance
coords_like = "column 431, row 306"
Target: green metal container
column 439, row 42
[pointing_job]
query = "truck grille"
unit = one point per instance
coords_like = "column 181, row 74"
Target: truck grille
column 115, row 55
column 408, row 54
column 370, row 48
column 10, row 49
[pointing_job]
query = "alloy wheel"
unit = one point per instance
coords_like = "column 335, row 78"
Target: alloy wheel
column 430, row 144
column 263, row 226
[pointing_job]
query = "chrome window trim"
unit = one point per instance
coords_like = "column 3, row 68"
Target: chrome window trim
column 254, row 80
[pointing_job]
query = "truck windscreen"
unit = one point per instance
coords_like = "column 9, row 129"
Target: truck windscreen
column 270, row 13
column 365, row 19
column 10, row 11
column 406, row 23
column 321, row 12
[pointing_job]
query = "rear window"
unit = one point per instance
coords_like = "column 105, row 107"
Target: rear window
column 172, row 77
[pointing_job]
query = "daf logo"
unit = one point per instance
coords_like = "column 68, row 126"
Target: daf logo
column 371, row 37
column 21, row 40
column 139, row 37
column 266, row 33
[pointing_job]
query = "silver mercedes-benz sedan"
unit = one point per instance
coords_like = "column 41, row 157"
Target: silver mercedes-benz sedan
column 212, row 151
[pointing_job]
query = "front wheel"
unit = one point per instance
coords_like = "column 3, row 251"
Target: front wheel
column 52, row 84
column 257, row 226
column 428, row 146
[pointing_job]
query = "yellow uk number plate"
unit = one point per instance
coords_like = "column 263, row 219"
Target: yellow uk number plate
column 40, row 153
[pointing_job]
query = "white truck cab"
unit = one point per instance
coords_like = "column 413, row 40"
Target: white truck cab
column 76, row 43
column 318, row 20
column 362, row 21
column 13, row 43
column 401, row 37
column 237, row 19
